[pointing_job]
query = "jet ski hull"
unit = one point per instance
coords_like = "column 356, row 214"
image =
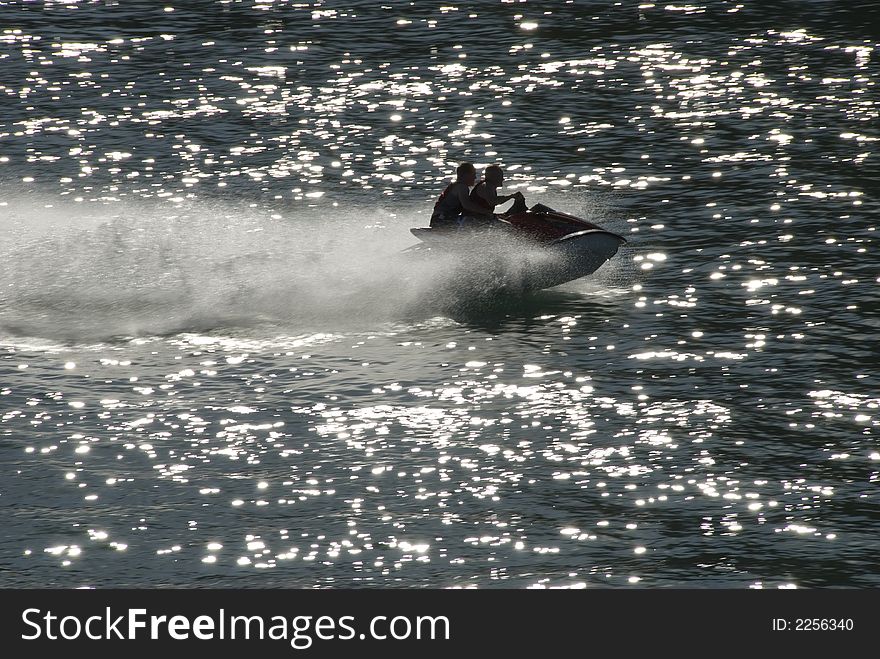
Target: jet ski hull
column 526, row 252
column 574, row 256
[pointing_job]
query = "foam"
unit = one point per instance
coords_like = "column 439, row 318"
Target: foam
column 94, row 271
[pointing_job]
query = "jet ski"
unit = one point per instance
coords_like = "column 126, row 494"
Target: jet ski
column 526, row 251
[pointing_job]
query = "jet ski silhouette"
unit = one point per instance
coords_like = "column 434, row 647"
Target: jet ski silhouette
column 524, row 251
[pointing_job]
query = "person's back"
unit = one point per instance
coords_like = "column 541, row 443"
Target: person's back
column 455, row 202
column 485, row 193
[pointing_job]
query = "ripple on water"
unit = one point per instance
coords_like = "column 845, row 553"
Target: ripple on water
column 216, row 372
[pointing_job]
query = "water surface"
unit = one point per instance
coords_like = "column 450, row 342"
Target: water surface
column 217, row 370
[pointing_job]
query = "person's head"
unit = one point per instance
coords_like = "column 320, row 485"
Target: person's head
column 494, row 175
column 466, row 173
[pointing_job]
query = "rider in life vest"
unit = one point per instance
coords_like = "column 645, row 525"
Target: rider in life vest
column 485, row 193
column 454, row 206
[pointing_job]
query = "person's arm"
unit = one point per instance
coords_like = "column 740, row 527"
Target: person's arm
column 466, row 202
column 505, row 198
column 491, row 195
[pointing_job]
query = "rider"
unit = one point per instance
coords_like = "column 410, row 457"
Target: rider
column 486, row 194
column 454, row 205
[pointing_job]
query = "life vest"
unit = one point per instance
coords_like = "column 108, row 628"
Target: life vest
column 447, row 208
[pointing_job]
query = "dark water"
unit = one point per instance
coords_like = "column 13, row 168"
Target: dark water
column 217, row 370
